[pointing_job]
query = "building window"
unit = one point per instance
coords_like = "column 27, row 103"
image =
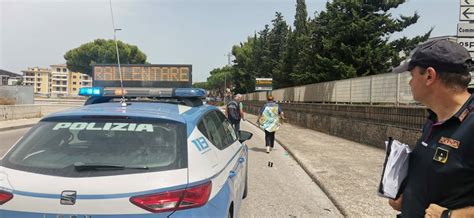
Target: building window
column 58, row 69
column 38, row 74
column 86, row 78
column 38, row 90
column 79, row 83
column 73, row 89
column 38, row 84
column 73, row 77
column 64, row 89
column 74, row 83
column 64, row 70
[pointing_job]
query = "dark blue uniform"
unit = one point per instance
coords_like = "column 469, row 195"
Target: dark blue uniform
column 441, row 167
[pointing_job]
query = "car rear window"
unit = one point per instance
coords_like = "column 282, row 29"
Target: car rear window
column 55, row 147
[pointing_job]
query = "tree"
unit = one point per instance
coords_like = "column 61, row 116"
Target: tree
column 353, row 38
column 101, row 51
column 201, row 85
column 278, row 42
column 220, row 78
column 243, row 74
column 303, row 52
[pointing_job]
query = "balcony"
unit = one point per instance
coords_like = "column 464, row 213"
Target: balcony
column 59, row 92
column 59, row 73
column 58, row 79
column 59, row 85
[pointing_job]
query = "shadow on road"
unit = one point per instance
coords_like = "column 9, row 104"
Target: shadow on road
column 264, row 150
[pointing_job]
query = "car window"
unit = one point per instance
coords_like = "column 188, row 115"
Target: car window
column 55, row 147
column 230, row 136
column 221, row 134
column 202, row 128
column 212, row 125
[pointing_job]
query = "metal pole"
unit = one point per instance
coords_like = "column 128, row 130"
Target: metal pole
column 116, row 48
column 225, row 79
column 398, row 89
column 225, row 88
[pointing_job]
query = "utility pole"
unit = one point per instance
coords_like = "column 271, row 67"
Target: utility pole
column 225, row 78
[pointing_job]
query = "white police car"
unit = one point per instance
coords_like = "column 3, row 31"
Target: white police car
column 151, row 156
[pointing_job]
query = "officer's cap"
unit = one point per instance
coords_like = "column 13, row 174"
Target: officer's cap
column 443, row 55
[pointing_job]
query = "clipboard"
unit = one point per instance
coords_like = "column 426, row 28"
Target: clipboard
column 401, row 163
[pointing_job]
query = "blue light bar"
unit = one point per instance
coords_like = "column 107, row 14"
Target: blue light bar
column 144, row 92
column 91, row 91
column 189, row 92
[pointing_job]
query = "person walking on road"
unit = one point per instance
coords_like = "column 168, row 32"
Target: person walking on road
column 440, row 179
column 269, row 120
column 234, row 113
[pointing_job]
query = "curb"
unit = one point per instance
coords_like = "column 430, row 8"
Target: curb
column 16, row 127
column 311, row 175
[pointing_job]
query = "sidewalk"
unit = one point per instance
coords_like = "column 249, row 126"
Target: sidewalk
column 348, row 172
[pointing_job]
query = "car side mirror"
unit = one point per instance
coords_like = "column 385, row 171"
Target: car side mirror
column 244, row 136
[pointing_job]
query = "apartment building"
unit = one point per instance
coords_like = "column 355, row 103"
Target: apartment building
column 78, row 80
column 39, row 78
column 56, row 81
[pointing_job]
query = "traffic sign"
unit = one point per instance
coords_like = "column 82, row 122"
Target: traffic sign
column 465, row 29
column 263, row 84
column 466, row 13
column 467, row 2
column 467, row 43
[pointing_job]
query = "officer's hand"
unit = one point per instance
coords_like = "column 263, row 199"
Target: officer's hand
column 434, row 210
column 396, row 204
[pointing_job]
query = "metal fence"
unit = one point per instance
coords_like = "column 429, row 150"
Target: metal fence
column 383, row 88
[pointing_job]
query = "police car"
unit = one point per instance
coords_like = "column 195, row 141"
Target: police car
column 153, row 152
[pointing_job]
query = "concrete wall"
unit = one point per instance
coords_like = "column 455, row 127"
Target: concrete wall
column 17, row 94
column 370, row 125
column 12, row 112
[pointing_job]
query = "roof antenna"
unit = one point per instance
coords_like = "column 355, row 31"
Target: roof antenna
column 122, row 101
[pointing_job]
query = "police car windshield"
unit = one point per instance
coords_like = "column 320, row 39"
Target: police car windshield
column 56, row 147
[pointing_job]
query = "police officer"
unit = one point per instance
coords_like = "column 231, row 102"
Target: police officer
column 440, row 180
column 234, row 113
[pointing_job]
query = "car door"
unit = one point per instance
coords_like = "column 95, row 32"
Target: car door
column 238, row 159
column 224, row 139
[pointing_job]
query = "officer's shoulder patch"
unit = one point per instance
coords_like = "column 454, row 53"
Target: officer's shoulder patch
column 463, row 114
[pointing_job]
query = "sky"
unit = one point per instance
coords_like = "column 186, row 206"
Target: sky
column 197, row 32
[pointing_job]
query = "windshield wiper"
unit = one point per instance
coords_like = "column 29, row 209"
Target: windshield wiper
column 79, row 166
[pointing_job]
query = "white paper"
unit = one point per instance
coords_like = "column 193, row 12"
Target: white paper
column 396, row 169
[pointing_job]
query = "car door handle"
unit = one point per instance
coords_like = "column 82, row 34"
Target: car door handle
column 241, row 160
column 232, row 174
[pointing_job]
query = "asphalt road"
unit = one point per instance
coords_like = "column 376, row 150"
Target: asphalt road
column 283, row 190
